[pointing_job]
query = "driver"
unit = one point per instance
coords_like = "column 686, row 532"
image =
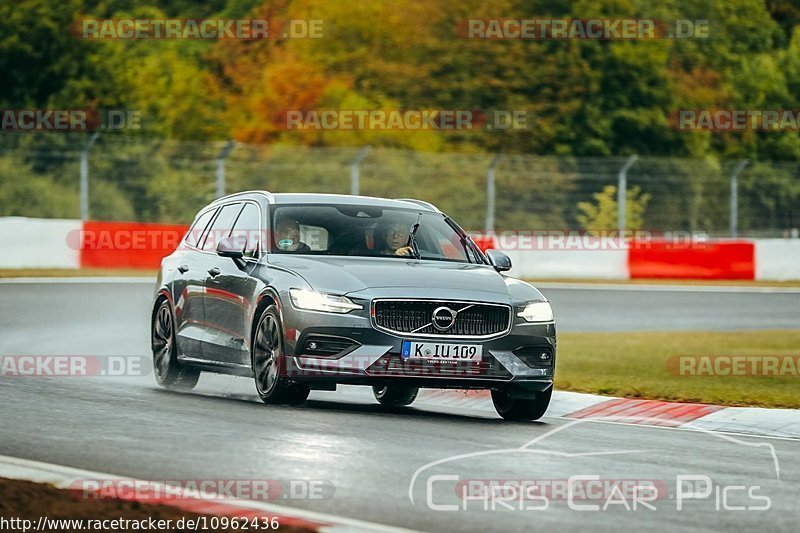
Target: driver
column 392, row 238
column 287, row 236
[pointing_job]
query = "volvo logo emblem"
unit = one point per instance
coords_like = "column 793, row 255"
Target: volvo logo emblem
column 443, row 318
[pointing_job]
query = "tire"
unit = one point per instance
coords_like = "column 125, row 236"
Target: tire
column 521, row 409
column 169, row 373
column 269, row 364
column 395, row 396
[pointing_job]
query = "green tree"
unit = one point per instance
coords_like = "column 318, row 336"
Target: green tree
column 603, row 213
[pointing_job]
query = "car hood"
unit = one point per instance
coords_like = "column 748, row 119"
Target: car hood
column 342, row 275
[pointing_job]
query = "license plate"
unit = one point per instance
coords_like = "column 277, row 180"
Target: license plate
column 442, row 351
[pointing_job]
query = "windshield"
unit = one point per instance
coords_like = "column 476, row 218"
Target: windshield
column 368, row 231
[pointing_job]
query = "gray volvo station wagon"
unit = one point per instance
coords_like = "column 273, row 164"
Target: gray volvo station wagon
column 307, row 291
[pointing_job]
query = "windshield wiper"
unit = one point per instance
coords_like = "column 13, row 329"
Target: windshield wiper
column 412, row 238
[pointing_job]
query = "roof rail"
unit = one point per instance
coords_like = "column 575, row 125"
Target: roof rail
column 419, row 202
column 243, row 193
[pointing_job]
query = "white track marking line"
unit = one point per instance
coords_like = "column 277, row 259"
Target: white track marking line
column 681, row 428
column 62, row 476
column 479, row 404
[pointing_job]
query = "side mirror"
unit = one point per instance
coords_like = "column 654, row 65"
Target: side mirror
column 500, row 261
column 231, row 247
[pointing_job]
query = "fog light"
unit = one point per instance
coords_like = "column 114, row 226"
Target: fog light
column 327, row 346
column 535, row 356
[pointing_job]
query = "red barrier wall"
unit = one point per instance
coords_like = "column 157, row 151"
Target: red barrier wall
column 128, row 244
column 701, row 260
column 143, row 245
column 484, row 242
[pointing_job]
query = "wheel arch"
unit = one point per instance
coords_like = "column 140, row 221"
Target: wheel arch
column 269, row 296
column 161, row 296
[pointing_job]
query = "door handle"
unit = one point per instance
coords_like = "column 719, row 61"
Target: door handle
column 214, row 272
column 183, row 269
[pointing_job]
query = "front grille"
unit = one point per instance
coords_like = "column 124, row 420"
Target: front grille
column 416, row 317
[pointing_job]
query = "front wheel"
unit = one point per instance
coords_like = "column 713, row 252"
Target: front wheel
column 169, row 372
column 521, row 409
column 395, row 396
column 269, row 364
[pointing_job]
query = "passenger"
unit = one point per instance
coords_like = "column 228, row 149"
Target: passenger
column 287, row 236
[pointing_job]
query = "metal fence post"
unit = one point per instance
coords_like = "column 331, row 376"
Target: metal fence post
column 490, row 193
column 622, row 192
column 85, row 176
column 221, row 157
column 735, row 196
column 355, row 170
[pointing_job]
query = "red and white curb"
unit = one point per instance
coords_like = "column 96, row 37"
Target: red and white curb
column 62, row 477
column 783, row 423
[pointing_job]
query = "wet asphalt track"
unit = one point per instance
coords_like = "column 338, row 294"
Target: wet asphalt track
column 368, row 456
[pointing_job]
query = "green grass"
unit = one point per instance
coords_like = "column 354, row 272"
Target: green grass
column 634, row 365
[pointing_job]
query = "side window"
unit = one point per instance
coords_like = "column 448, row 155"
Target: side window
column 316, row 237
column 199, row 227
column 248, row 229
column 222, row 226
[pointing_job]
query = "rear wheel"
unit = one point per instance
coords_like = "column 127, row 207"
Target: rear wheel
column 272, row 385
column 395, row 396
column 521, row 409
column 169, row 372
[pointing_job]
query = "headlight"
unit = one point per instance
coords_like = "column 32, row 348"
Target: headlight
column 537, row 312
column 320, row 301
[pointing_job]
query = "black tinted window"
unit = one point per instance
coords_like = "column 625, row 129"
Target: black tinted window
column 199, row 227
column 222, row 226
column 248, row 229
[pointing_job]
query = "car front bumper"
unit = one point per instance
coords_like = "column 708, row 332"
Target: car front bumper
column 374, row 358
